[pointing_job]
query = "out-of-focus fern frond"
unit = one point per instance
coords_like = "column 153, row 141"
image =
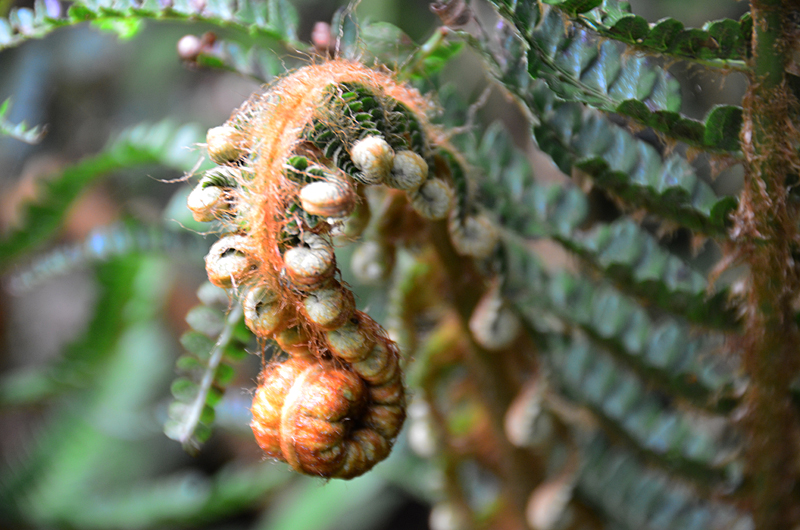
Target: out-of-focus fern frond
column 19, row 131
column 618, row 484
column 256, row 62
column 163, row 143
column 102, row 245
column 184, row 498
column 664, row 352
column 77, row 366
column 116, row 364
column 699, row 446
column 113, row 250
column 622, row 249
column 276, row 19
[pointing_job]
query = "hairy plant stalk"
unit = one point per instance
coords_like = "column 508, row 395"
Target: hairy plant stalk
column 497, row 391
column 766, row 235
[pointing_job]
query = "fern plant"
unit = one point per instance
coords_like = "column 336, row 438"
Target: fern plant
column 569, row 360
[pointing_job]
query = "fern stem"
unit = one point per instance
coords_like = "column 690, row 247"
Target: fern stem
column 497, row 391
column 766, row 232
column 192, row 418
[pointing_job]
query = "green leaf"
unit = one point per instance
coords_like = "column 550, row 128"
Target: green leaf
column 626, row 407
column 628, row 168
column 387, row 43
column 723, row 43
column 663, row 352
column 723, row 124
column 206, row 374
column 622, row 250
column 205, row 320
column 20, row 131
column 635, row 260
column 283, row 18
column 124, row 28
column 256, row 62
column 630, row 493
column 579, row 66
column 246, row 17
column 314, row 505
column 345, row 28
column 102, row 245
column 574, row 6
column 163, row 143
column 81, row 359
column 181, row 498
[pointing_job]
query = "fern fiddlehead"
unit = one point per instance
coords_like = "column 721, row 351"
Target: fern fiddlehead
column 291, row 166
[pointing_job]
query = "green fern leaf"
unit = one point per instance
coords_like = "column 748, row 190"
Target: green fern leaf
column 163, row 144
column 719, row 42
column 78, row 364
column 664, row 353
column 215, row 340
column 181, row 498
column 103, row 244
column 256, row 62
column 699, row 446
column 635, row 260
column 578, row 66
column 723, row 43
column 629, row 168
column 19, row 131
column 275, row 19
column 620, row 485
column 622, row 250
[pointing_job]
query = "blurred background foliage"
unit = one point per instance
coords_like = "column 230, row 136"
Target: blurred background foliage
column 92, row 308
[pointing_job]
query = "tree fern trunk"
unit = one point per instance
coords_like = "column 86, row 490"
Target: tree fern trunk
column 766, row 234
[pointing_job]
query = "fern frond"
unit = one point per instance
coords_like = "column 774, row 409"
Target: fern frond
column 578, row 66
column 102, row 245
column 664, row 353
column 638, row 264
column 214, row 339
column 163, row 143
column 123, row 346
column 255, row 62
column 620, row 485
column 699, row 446
column 629, row 168
column 19, row 131
column 184, row 498
column 274, row 19
column 77, row 365
column 724, row 43
column 622, row 250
